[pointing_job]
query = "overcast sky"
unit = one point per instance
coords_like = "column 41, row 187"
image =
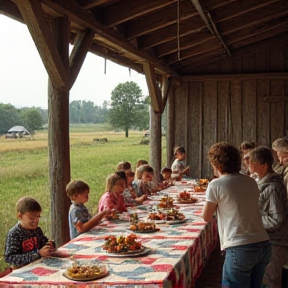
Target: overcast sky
column 23, row 78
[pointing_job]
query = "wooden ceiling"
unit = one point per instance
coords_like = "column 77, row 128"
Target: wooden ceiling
column 175, row 37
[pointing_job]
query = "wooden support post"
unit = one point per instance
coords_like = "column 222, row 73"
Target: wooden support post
column 155, row 158
column 58, row 139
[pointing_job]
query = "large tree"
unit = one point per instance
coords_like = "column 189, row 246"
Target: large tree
column 32, row 118
column 126, row 106
column 9, row 117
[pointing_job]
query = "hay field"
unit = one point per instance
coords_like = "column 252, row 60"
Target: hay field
column 24, row 168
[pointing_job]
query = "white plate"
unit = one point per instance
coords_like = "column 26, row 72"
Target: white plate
column 144, row 231
column 143, row 251
column 102, row 274
column 176, row 221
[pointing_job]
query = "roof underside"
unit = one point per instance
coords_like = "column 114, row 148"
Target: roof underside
column 177, row 37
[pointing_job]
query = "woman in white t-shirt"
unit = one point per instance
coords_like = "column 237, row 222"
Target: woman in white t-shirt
column 234, row 198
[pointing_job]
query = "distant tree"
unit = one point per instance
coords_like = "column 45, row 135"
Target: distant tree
column 142, row 121
column 32, row 119
column 74, row 111
column 126, row 106
column 101, row 113
column 44, row 114
column 9, row 117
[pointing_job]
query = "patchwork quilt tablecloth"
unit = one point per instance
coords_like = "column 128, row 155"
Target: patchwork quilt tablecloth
column 176, row 257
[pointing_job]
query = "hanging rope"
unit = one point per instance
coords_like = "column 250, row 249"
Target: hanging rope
column 178, row 30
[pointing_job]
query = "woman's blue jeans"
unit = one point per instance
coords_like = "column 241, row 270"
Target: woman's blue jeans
column 244, row 265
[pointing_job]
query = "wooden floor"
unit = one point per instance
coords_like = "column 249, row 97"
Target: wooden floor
column 212, row 272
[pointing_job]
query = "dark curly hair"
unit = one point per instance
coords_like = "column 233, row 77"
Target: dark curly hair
column 225, row 157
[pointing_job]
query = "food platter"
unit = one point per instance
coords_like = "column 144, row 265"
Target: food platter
column 188, row 201
column 144, row 231
column 177, row 221
column 104, row 273
column 136, row 253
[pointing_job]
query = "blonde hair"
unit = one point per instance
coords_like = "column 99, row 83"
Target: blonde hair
column 123, row 166
column 140, row 163
column 113, row 178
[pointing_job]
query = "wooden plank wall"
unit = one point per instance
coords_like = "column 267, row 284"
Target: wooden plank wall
column 202, row 113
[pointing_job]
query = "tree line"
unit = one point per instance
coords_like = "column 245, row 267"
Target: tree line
column 127, row 109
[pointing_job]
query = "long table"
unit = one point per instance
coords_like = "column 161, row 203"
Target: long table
column 178, row 254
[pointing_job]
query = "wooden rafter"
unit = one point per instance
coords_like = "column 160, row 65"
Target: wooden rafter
column 44, row 41
column 110, row 37
column 147, row 24
column 225, row 13
column 251, row 19
column 166, row 84
column 11, row 10
column 154, row 90
column 81, row 47
column 119, row 13
column 210, row 24
column 86, row 4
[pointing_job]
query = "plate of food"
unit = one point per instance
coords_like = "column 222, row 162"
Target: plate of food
column 185, row 197
column 157, row 217
column 176, row 221
column 124, row 246
column 143, row 251
column 175, row 217
column 86, row 272
column 143, row 227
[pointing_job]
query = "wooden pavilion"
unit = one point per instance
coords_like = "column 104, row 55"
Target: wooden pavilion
column 220, row 67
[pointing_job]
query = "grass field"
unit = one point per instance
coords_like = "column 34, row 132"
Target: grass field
column 24, row 168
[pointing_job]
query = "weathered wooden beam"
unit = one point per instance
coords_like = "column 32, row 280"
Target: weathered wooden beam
column 225, row 13
column 267, row 29
column 147, row 24
column 166, row 84
column 10, row 9
column 42, row 36
column 106, row 35
column 58, row 138
column 154, row 90
column 119, row 12
column 251, row 19
column 81, row 47
column 271, row 31
column 166, row 34
column 86, row 4
column 186, row 42
column 207, row 47
column 210, row 24
column 231, row 77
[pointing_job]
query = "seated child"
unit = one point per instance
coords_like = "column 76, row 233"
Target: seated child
column 273, row 209
column 25, row 242
column 140, row 163
column 143, row 183
column 124, row 166
column 130, row 194
column 80, row 220
column 113, row 198
column 166, row 173
column 178, row 166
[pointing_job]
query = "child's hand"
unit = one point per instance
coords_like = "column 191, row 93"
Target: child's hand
column 52, row 246
column 44, row 251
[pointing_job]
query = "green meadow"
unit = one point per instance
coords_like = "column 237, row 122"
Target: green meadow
column 24, row 168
